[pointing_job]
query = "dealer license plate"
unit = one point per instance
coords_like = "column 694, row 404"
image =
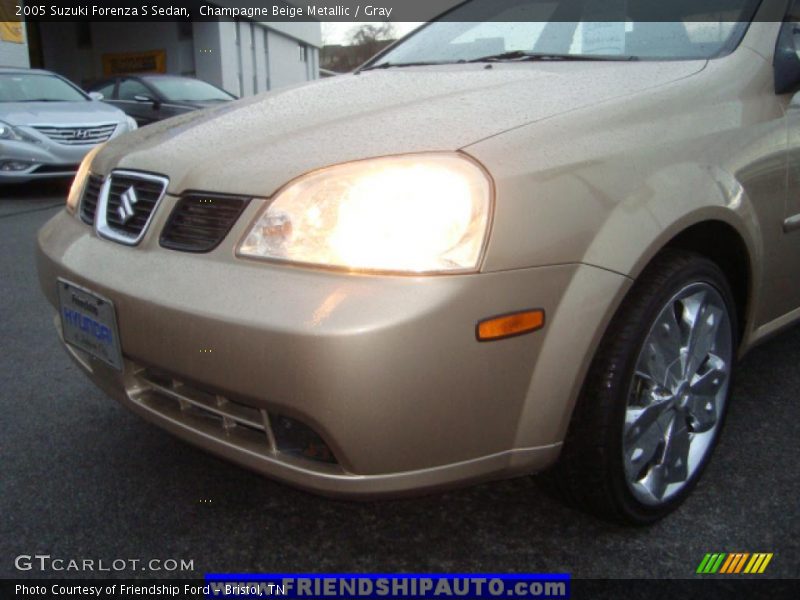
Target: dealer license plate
column 89, row 322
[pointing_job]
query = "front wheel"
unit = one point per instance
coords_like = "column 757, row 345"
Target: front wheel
column 655, row 397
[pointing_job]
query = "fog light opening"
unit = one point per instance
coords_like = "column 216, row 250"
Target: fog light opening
column 15, row 165
column 509, row 325
column 297, row 439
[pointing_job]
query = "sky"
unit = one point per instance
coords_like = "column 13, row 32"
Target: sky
column 337, row 33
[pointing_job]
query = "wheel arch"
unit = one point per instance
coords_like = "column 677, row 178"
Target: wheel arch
column 713, row 232
column 689, row 207
column 723, row 245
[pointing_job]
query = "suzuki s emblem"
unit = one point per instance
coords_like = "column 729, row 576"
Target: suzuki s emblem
column 127, row 200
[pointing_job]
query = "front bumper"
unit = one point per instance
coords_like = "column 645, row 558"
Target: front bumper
column 385, row 369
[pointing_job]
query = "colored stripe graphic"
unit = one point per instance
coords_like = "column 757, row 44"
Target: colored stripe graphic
column 711, row 563
column 732, row 560
column 734, row 563
column 759, row 562
column 717, row 564
column 741, row 562
column 702, row 567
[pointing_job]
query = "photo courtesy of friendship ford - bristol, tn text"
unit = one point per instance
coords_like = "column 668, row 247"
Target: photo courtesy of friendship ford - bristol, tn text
column 495, row 248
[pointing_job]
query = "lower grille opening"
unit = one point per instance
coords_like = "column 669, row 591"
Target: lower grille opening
column 254, row 429
column 56, row 169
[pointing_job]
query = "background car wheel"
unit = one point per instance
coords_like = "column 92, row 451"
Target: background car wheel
column 655, row 398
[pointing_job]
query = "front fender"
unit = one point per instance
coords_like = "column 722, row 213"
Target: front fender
column 609, row 187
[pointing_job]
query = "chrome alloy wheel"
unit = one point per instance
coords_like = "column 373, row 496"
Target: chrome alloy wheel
column 678, row 393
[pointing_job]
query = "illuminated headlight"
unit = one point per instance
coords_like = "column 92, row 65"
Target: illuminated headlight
column 421, row 213
column 76, row 190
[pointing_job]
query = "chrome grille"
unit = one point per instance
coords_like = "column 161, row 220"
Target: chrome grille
column 91, row 195
column 127, row 203
column 78, row 136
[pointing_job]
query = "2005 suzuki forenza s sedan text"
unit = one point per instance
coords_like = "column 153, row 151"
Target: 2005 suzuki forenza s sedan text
column 498, row 247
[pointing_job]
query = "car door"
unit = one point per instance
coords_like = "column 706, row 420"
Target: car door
column 170, row 110
column 167, row 107
column 137, row 100
column 787, row 288
column 789, row 42
column 108, row 88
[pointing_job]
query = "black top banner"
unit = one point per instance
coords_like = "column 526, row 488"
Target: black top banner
column 395, row 10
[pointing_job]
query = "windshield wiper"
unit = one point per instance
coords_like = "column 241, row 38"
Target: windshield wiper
column 43, row 100
column 391, row 65
column 522, row 56
column 513, row 56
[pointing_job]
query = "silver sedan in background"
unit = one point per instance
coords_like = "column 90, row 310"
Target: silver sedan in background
column 47, row 125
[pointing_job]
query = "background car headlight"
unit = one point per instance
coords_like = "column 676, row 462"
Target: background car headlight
column 416, row 213
column 7, row 132
column 76, row 190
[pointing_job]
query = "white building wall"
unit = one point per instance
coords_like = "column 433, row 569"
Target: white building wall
column 13, row 54
column 246, row 66
column 309, row 32
column 286, row 66
column 255, row 57
column 228, row 53
column 261, row 59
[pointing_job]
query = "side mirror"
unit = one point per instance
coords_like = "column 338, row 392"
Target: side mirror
column 96, row 96
column 142, row 98
column 787, row 59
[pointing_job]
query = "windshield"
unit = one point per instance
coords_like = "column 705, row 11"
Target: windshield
column 517, row 29
column 37, row 87
column 181, row 89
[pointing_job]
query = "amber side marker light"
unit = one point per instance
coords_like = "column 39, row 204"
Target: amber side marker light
column 510, row 325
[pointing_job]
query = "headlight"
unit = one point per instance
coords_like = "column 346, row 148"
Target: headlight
column 417, row 213
column 76, row 190
column 132, row 125
column 7, row 132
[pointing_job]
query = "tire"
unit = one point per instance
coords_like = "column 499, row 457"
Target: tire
column 609, row 464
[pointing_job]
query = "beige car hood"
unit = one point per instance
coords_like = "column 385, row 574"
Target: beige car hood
column 256, row 145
